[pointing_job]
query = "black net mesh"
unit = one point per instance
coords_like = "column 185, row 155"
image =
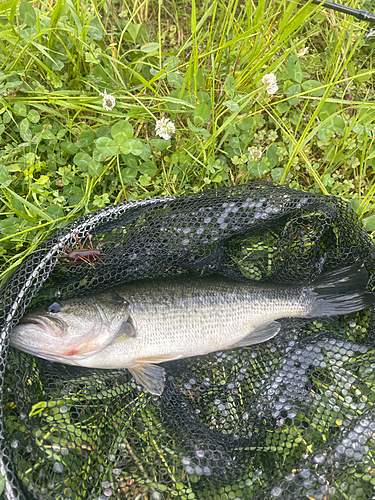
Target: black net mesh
column 290, row 418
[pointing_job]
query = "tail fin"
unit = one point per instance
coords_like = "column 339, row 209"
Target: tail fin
column 341, row 291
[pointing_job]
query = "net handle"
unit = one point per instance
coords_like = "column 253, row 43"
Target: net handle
column 362, row 15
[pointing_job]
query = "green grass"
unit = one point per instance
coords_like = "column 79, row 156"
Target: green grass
column 201, row 65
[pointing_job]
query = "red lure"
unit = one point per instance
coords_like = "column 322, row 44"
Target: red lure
column 81, row 253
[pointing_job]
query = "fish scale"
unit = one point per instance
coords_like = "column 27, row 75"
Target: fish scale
column 197, row 316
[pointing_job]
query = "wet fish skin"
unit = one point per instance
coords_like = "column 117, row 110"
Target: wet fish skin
column 141, row 323
column 182, row 317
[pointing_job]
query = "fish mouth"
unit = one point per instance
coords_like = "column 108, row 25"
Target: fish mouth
column 44, row 337
column 57, row 326
column 31, row 331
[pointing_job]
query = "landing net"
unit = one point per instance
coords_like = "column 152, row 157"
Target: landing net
column 291, row 418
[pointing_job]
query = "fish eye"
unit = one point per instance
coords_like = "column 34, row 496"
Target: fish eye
column 53, row 308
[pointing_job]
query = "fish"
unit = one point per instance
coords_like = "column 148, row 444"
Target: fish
column 143, row 323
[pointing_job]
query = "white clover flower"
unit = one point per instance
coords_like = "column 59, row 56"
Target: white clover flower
column 165, row 128
column 109, row 101
column 255, row 153
column 302, row 52
column 270, row 83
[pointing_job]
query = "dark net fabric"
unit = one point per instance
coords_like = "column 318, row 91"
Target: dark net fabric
column 291, row 418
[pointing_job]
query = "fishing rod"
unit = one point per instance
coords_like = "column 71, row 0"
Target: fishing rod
column 362, row 15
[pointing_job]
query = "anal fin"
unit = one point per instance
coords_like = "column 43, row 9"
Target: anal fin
column 260, row 334
column 151, row 377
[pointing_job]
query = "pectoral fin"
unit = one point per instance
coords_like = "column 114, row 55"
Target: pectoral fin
column 260, row 334
column 125, row 331
column 151, row 377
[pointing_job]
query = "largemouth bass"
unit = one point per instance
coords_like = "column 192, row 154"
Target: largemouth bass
column 143, row 323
